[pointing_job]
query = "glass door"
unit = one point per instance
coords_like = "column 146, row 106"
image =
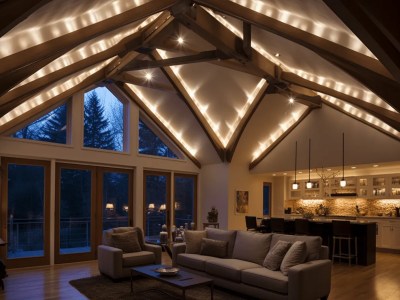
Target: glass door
column 185, row 201
column 75, row 207
column 156, row 204
column 25, row 225
column 116, row 193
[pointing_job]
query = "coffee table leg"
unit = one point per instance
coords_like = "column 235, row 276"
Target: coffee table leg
column 131, row 281
column 183, row 293
column 212, row 290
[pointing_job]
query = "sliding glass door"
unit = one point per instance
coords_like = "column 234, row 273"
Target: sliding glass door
column 185, row 191
column 25, row 213
column 89, row 200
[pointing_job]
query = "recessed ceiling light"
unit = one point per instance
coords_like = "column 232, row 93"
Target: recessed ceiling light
column 149, row 76
column 274, row 174
column 277, row 54
column 375, row 166
column 291, row 100
column 284, row 173
column 329, row 169
column 180, row 40
column 354, row 167
column 300, row 172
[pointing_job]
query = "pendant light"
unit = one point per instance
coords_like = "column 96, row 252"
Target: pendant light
column 309, row 184
column 295, row 185
column 343, row 181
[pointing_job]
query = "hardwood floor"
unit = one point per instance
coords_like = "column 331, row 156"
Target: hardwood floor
column 376, row 282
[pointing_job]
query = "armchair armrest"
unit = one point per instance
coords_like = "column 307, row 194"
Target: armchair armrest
column 110, row 261
column 156, row 250
column 311, row 280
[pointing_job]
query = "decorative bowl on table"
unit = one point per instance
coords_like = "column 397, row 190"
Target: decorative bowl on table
column 167, row 271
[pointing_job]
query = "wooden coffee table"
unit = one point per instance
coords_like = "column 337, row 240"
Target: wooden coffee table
column 183, row 280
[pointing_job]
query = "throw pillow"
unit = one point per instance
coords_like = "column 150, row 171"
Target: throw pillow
column 223, row 235
column 126, row 241
column 275, row 256
column 214, row 248
column 251, row 246
column 193, row 241
column 295, row 255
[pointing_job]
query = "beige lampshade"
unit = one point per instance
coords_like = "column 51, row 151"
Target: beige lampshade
column 110, row 206
column 163, row 207
column 151, row 206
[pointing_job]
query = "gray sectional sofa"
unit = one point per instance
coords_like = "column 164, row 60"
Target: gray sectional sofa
column 242, row 267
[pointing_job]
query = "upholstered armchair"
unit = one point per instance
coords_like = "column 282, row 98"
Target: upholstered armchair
column 123, row 248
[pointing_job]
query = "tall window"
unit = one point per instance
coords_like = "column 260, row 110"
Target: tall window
column 151, row 144
column 26, row 212
column 103, row 120
column 52, row 127
column 157, row 193
column 185, row 199
column 266, row 198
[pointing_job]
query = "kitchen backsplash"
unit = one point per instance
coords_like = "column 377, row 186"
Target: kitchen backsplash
column 346, row 206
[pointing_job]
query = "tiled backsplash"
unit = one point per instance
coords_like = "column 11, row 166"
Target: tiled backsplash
column 347, row 206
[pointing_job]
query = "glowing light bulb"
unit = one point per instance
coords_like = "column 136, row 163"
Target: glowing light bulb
column 291, row 100
column 180, row 40
column 149, row 76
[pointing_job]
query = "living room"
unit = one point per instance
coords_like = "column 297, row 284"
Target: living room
column 194, row 120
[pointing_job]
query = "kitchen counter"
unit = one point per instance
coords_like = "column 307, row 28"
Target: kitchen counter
column 341, row 217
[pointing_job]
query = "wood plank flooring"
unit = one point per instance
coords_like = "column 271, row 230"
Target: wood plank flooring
column 377, row 282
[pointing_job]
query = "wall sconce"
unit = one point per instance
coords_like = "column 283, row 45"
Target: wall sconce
column 163, row 207
column 309, row 184
column 151, row 206
column 343, row 181
column 125, row 208
column 295, row 185
column 110, row 206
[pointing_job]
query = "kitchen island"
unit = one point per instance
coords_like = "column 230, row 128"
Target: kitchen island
column 365, row 231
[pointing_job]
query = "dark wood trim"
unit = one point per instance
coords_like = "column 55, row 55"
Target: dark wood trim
column 31, row 261
column 264, row 154
column 131, row 95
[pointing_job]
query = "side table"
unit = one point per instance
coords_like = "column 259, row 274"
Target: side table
column 210, row 224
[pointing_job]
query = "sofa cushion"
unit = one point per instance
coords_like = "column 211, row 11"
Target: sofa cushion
column 228, row 268
column 295, row 255
column 313, row 243
column 137, row 258
column 193, row 261
column 126, row 241
column 193, row 241
column 222, row 235
column 251, row 246
column 266, row 279
column 275, row 256
column 214, row 248
column 125, row 229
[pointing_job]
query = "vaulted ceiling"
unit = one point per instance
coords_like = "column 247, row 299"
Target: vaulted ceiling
column 205, row 70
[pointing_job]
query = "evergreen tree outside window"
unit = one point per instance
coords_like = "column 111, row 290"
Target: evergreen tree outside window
column 103, row 120
column 151, row 144
column 52, row 127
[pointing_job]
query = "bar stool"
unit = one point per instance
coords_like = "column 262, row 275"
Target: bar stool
column 301, row 227
column 278, row 225
column 341, row 231
column 251, row 223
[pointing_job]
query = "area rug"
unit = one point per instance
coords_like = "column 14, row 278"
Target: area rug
column 101, row 287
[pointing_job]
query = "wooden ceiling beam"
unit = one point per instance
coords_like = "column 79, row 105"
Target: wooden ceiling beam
column 366, row 70
column 13, row 12
column 376, row 24
column 389, row 117
column 151, row 115
column 16, row 67
column 264, row 154
column 184, row 95
column 180, row 60
column 231, row 147
column 129, row 78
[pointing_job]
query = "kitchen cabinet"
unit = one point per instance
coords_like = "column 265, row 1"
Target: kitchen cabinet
column 390, row 234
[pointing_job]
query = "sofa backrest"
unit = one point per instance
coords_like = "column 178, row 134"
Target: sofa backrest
column 223, row 235
column 251, row 246
column 106, row 239
column 313, row 243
